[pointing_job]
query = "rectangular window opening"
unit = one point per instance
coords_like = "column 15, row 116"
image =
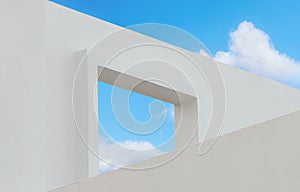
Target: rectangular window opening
column 132, row 127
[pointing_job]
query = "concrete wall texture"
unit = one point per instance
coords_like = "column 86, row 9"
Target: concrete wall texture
column 22, row 100
column 262, row 157
column 42, row 45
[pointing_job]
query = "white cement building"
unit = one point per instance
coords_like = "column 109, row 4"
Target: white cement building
column 42, row 47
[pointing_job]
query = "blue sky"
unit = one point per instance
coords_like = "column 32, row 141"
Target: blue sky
column 209, row 20
column 274, row 25
column 260, row 36
column 138, row 106
column 119, row 144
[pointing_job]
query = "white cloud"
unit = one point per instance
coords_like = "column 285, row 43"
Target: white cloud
column 124, row 153
column 251, row 49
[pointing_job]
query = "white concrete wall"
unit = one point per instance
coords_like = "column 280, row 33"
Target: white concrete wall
column 22, row 98
column 67, row 157
column 250, row 100
column 40, row 146
column 263, row 157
